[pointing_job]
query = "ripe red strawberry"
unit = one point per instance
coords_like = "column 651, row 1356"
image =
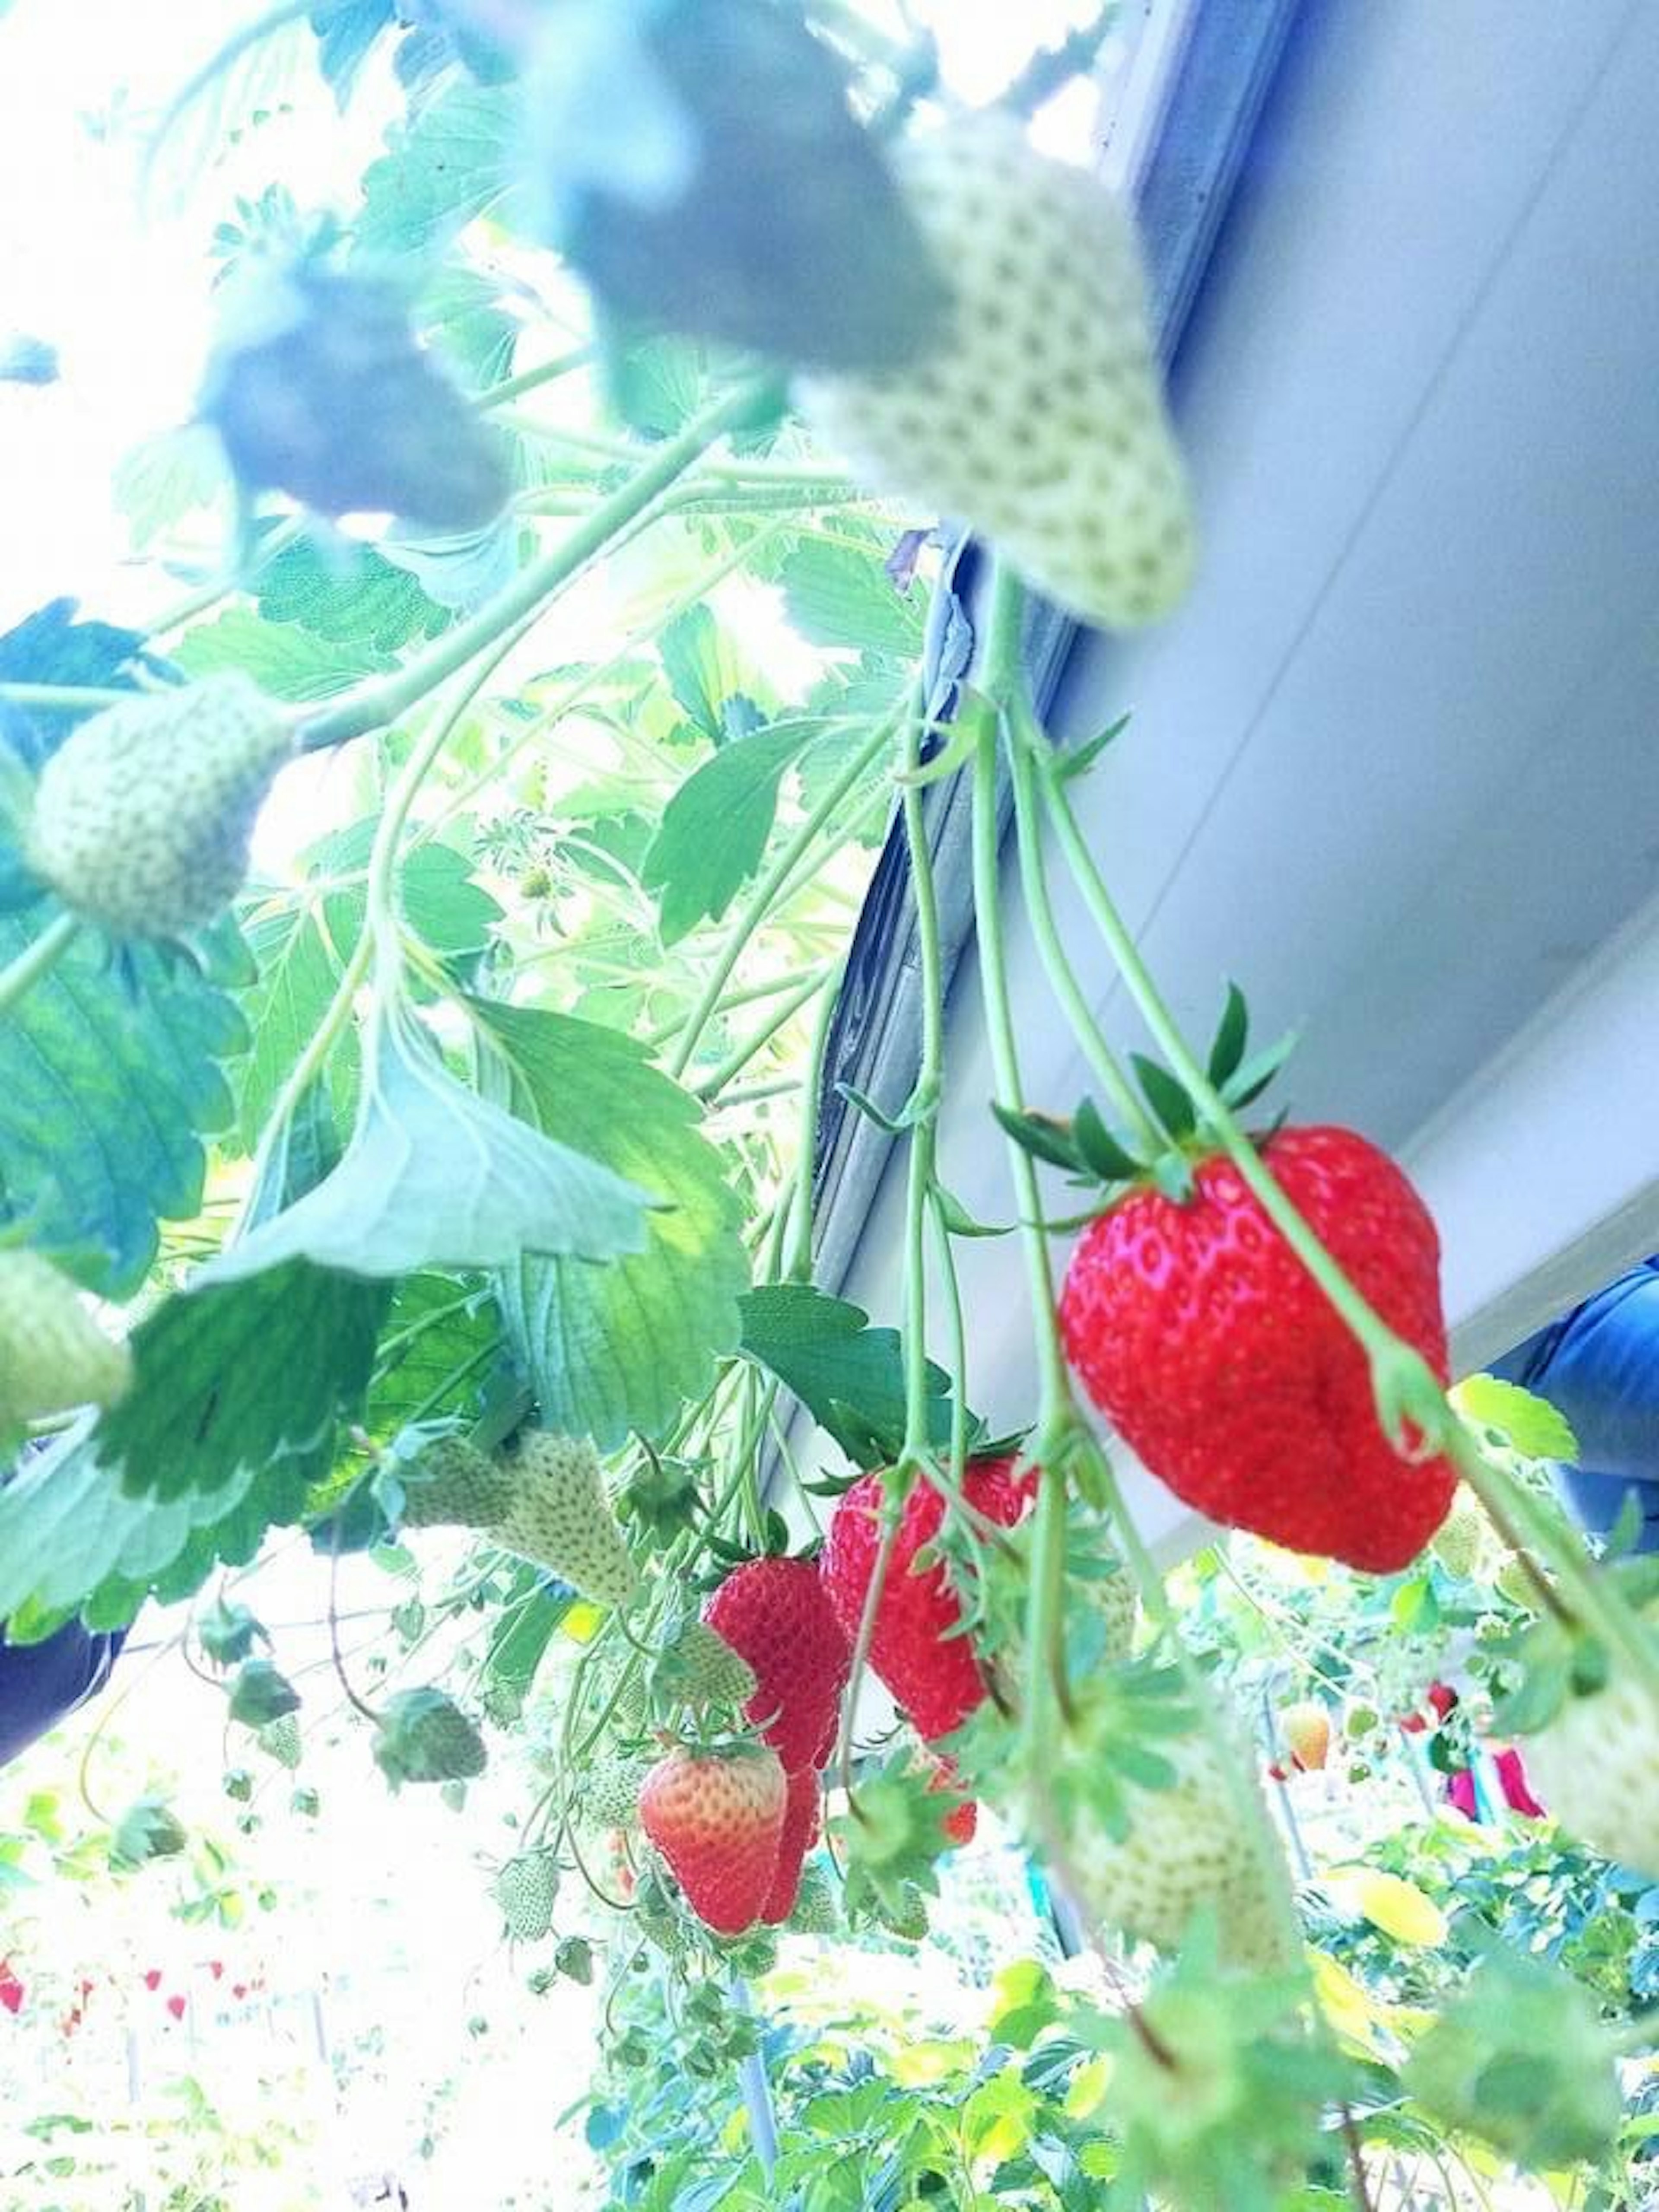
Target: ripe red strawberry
column 961, row 1821
column 801, row 1832
column 775, row 1614
column 176, row 2006
column 932, row 1673
column 717, row 1818
column 1202, row 1338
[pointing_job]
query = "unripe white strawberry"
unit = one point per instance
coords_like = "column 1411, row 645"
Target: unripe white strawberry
column 53, row 1356
column 1187, row 1849
column 141, row 818
column 560, row 1517
column 1595, row 1767
column 1038, row 418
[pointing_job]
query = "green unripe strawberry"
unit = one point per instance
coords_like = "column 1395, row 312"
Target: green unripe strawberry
column 424, row 1736
column 608, row 1795
column 141, row 818
column 53, row 1356
column 699, row 1667
column 816, row 1910
column 1463, row 1543
column 451, row 1483
column 1036, row 416
column 526, row 1889
column 560, row 1517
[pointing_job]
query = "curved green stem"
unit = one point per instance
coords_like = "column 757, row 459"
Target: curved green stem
column 1126, row 1100
column 373, row 705
column 757, row 1040
column 1002, row 676
column 923, row 1114
column 38, row 959
column 798, row 1249
column 65, row 698
column 759, row 903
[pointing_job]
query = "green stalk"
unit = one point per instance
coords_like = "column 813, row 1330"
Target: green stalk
column 1126, row 1100
column 759, row 903
column 65, row 698
column 38, row 959
column 373, row 705
column 1056, row 1412
column 757, row 1040
column 923, row 1110
column 531, row 380
column 798, row 1260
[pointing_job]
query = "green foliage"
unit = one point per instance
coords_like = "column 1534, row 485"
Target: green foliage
column 611, row 1349
column 112, row 1074
column 715, row 828
column 849, row 1376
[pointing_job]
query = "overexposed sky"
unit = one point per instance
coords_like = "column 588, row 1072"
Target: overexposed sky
column 123, row 292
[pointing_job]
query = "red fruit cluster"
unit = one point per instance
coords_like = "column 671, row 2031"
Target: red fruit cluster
column 917, row 1650
column 12, row 1991
column 775, row 1614
column 1205, row 1341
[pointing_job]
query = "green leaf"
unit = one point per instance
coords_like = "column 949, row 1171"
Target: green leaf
column 618, row 1348
column 437, row 1175
column 300, row 949
column 66, row 1532
column 840, row 595
column 448, row 164
column 281, row 659
column 1230, row 1038
column 707, row 671
column 849, row 1376
column 1165, row 1095
column 1520, row 2057
column 439, row 1345
column 715, row 830
column 1533, row 1427
column 106, row 1089
column 236, row 1376
column 352, row 597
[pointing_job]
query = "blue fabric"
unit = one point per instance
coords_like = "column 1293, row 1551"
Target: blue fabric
column 1601, row 1367
column 40, row 1683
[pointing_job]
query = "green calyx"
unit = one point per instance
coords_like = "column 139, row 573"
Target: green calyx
column 1174, row 1133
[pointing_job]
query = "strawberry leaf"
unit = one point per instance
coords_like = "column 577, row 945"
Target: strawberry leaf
column 849, row 1376
column 437, row 1175
column 615, row 1348
column 715, row 830
column 1530, row 1423
column 108, row 1074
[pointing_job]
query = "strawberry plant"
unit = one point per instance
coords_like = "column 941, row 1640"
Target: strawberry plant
column 422, row 947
